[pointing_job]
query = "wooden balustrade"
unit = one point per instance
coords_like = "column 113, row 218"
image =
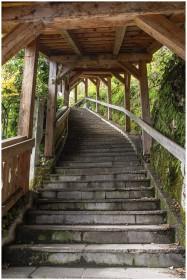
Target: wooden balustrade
column 61, row 128
column 172, row 147
column 15, row 169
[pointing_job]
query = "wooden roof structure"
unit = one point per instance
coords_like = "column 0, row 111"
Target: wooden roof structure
column 96, row 37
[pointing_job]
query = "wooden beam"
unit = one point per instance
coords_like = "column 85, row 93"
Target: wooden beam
column 127, row 101
column 100, row 58
column 19, row 38
column 105, row 82
column 70, row 38
column 64, row 70
column 76, row 83
column 51, row 111
column 119, row 37
column 75, row 94
column 74, row 78
column 25, row 123
column 93, row 81
column 75, row 15
column 118, row 77
column 131, row 69
column 155, row 46
column 164, row 31
column 109, row 96
column 86, row 87
column 145, row 109
column 97, row 94
column 66, row 93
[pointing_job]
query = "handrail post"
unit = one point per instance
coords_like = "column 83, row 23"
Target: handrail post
column 109, row 94
column 51, row 111
column 127, row 101
column 66, row 93
column 75, row 95
column 145, row 109
column 97, row 95
column 86, row 90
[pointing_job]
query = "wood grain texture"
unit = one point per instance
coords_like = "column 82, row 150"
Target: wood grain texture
column 26, row 111
column 19, row 38
column 164, row 31
column 119, row 36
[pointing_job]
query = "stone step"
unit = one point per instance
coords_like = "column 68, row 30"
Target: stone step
column 87, row 150
column 121, row 158
column 96, row 204
column 119, row 255
column 99, row 171
column 97, row 177
column 110, row 234
column 48, row 272
column 131, row 183
column 41, row 217
column 73, row 164
column 95, row 145
column 100, row 193
column 98, row 154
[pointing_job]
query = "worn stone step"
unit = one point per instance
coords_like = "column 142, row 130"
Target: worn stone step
column 120, row 255
column 100, row 193
column 83, row 164
column 130, row 183
column 99, row 159
column 96, row 217
column 97, row 204
column 97, row 177
column 116, row 142
column 97, row 170
column 98, row 234
column 97, row 145
column 97, row 150
column 99, row 154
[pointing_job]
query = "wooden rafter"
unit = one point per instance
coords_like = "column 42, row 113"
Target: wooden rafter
column 118, row 77
column 105, row 82
column 93, row 81
column 164, row 31
column 64, row 71
column 90, row 14
column 19, row 38
column 119, row 36
column 76, row 76
column 100, row 58
column 70, row 38
column 131, row 69
column 76, row 83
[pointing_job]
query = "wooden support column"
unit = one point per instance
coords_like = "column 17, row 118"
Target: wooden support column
column 86, row 87
column 97, row 95
column 109, row 93
column 127, row 101
column 25, row 124
column 51, row 111
column 145, row 109
column 66, row 93
column 75, row 96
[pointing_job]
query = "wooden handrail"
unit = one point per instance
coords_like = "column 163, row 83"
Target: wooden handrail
column 15, row 169
column 18, row 148
column 60, row 112
column 79, row 102
column 62, row 118
column 172, row 147
column 11, row 141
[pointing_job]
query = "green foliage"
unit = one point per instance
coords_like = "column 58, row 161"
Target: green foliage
column 12, row 75
column 168, row 117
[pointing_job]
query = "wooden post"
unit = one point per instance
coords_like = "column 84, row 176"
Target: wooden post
column 86, row 87
column 25, row 124
column 51, row 111
column 97, row 95
column 75, row 96
column 127, row 101
column 144, row 96
column 66, row 93
column 109, row 94
column 86, row 91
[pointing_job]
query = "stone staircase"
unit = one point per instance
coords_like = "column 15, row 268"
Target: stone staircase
column 98, row 209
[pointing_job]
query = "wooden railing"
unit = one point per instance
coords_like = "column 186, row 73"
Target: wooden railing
column 61, row 130
column 172, row 147
column 15, row 169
